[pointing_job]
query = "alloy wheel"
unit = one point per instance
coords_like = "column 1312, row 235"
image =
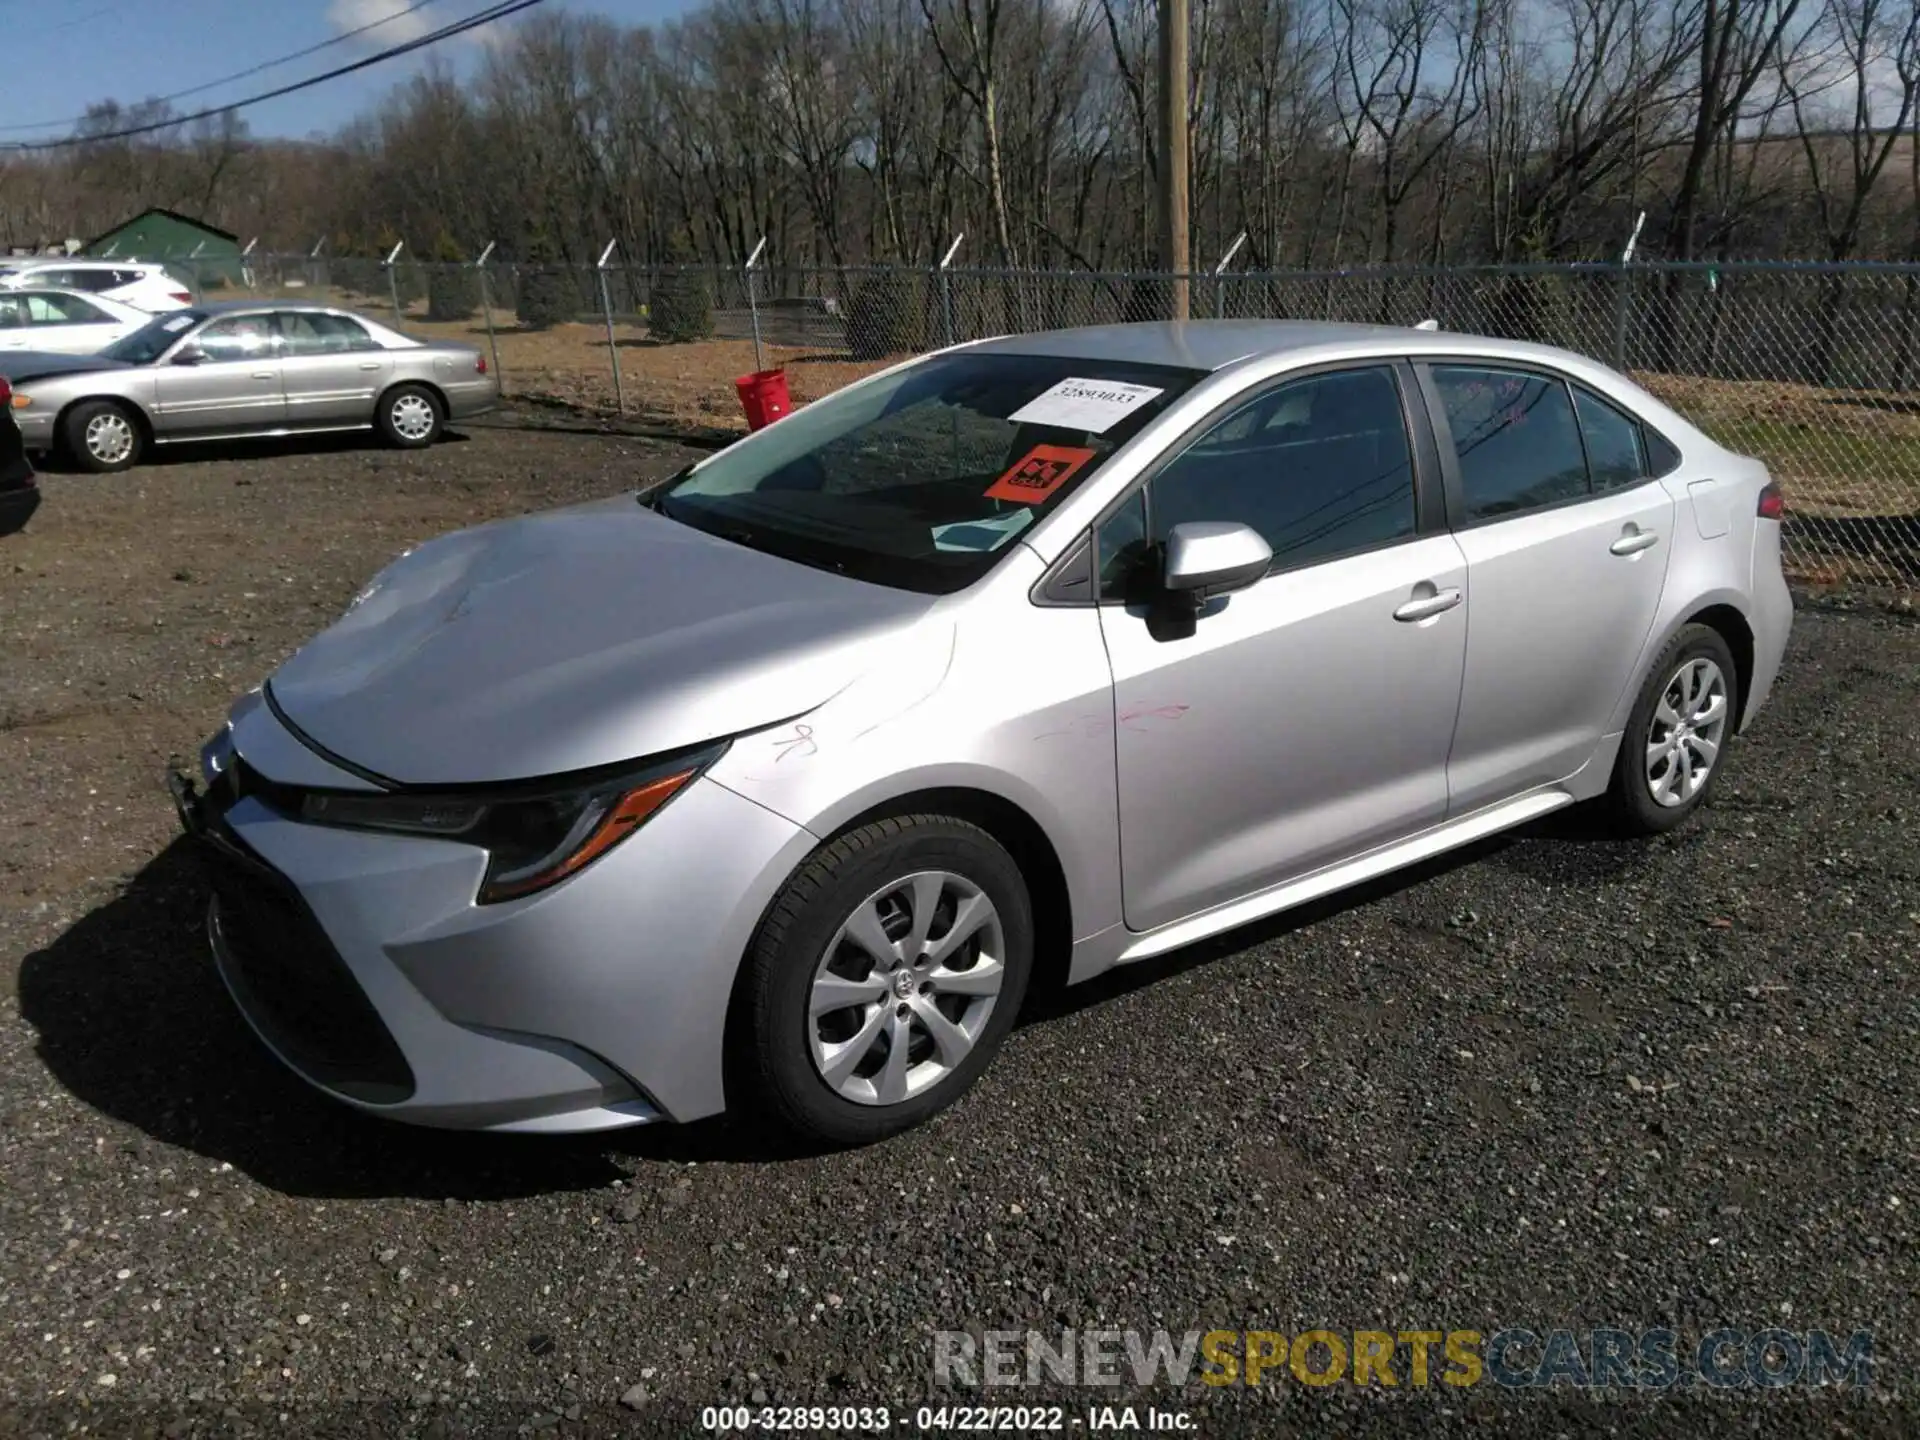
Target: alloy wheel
column 1688, row 727
column 905, row 988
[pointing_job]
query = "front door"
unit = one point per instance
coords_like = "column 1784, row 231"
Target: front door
column 331, row 369
column 1566, row 544
column 1308, row 718
column 233, row 388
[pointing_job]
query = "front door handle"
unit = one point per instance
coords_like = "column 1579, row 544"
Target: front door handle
column 1633, row 542
column 1426, row 607
column 263, row 375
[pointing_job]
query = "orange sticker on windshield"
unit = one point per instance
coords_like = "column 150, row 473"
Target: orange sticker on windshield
column 1044, row 470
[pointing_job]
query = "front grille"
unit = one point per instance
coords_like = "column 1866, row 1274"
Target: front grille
column 292, row 982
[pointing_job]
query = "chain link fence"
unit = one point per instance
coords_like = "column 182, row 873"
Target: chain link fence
column 1815, row 368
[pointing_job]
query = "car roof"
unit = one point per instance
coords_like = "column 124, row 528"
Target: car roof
column 229, row 307
column 69, row 262
column 1215, row 344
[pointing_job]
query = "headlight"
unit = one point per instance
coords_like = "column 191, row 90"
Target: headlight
column 535, row 835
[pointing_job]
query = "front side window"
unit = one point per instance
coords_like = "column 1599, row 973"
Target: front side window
column 1320, row 466
column 921, row 480
column 155, row 338
column 1515, row 437
column 238, row 337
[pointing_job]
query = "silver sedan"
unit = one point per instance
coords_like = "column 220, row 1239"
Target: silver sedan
column 239, row 370
column 771, row 788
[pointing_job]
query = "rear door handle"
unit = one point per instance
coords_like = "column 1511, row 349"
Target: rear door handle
column 1428, row 606
column 1634, row 542
column 370, row 365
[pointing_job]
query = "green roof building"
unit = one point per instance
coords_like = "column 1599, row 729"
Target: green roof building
column 193, row 248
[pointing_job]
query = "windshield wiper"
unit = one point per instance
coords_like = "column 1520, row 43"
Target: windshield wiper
column 652, row 495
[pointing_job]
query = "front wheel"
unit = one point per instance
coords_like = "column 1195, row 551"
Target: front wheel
column 409, row 417
column 102, row 436
column 1677, row 734
column 883, row 979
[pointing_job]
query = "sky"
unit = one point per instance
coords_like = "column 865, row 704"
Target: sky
column 85, row 51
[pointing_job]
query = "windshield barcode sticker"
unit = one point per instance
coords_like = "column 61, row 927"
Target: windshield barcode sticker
column 1043, row 470
column 1094, row 406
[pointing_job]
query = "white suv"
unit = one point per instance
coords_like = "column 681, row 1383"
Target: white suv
column 143, row 285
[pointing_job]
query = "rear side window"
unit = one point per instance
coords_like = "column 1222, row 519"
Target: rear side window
column 1663, row 457
column 1515, row 437
column 1615, row 457
column 314, row 333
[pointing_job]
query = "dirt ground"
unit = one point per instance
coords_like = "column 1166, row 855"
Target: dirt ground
column 1552, row 1080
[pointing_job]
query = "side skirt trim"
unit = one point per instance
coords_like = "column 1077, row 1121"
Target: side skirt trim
column 1397, row 856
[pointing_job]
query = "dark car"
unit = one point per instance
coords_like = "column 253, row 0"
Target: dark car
column 19, row 496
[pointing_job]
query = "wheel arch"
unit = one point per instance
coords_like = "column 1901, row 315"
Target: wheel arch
column 411, row 382
column 1723, row 612
column 1010, row 824
column 124, row 402
column 1021, row 836
column 1733, row 627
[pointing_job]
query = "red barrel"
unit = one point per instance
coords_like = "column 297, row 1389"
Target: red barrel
column 763, row 395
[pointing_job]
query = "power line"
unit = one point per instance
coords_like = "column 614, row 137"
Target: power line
column 224, row 79
column 446, row 32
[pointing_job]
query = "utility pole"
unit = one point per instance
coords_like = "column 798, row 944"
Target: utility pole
column 1174, row 88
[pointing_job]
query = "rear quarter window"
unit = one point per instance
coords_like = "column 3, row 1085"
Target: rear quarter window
column 1515, row 437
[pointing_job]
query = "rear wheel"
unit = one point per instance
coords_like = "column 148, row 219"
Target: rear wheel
column 102, row 436
column 883, row 979
column 409, row 417
column 1677, row 734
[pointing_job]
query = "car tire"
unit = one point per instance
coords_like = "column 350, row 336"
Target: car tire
column 1683, row 718
column 410, row 417
column 102, row 436
column 798, row 1064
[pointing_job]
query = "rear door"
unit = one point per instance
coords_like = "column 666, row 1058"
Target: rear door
column 234, row 388
column 1566, row 555
column 331, row 369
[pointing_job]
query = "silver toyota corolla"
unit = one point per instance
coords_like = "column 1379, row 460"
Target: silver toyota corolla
column 241, row 369
column 770, row 787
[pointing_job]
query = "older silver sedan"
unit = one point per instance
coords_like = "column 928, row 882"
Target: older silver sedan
column 241, row 369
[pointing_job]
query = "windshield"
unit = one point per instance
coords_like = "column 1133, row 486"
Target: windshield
column 150, row 341
column 920, row 480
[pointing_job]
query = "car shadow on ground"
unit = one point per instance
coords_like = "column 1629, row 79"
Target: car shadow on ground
column 131, row 1018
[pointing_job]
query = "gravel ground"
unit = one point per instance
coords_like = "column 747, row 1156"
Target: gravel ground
column 1552, row 1081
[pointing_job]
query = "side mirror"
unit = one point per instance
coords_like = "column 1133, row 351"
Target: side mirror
column 189, row 354
column 1206, row 558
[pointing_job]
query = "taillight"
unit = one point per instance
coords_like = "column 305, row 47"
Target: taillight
column 1773, row 501
column 479, row 364
column 184, row 297
column 6, row 392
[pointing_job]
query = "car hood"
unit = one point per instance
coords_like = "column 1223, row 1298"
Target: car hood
column 576, row 638
column 20, row 365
